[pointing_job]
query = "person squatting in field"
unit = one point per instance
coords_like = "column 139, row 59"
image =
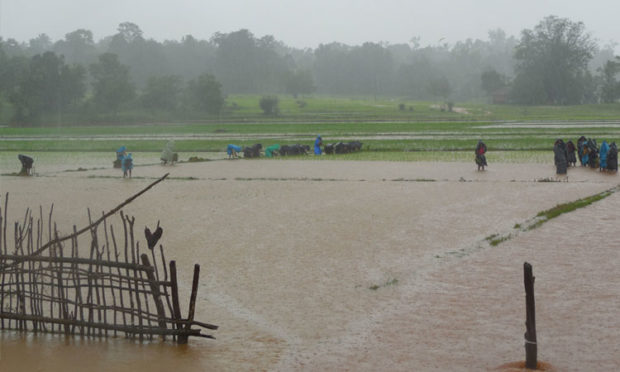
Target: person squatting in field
column 232, row 151
column 317, row 145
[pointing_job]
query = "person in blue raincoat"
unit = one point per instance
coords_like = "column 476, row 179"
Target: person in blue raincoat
column 119, row 156
column 603, row 155
column 127, row 165
column 317, row 145
column 233, row 150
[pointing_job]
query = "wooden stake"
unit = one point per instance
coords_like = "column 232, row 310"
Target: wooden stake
column 531, row 347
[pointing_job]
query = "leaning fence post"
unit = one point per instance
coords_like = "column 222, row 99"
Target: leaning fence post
column 531, row 347
column 161, row 314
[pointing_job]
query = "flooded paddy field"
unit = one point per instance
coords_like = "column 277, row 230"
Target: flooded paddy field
column 56, row 163
column 350, row 265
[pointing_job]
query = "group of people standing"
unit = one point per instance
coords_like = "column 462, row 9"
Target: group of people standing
column 587, row 152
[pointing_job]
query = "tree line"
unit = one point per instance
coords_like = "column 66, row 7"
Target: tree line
column 557, row 62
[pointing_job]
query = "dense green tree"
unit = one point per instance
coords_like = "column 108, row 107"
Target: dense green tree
column 371, row 69
column 551, row 62
column 39, row 45
column 300, row 82
column 269, row 105
column 190, row 57
column 46, row 85
column 77, row 47
column 245, row 64
column 12, row 48
column 205, row 94
column 491, row 81
column 440, row 87
column 610, row 87
column 162, row 92
column 112, row 86
column 143, row 57
column 331, row 68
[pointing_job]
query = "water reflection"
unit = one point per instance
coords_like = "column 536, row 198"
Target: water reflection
column 46, row 352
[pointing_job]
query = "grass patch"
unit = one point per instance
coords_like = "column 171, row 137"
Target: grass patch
column 499, row 239
column 196, row 159
column 388, row 283
column 560, row 209
column 491, row 237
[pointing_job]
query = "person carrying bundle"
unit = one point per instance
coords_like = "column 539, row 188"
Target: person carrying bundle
column 481, row 159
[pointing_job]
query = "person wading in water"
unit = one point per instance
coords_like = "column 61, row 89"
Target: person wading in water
column 481, row 159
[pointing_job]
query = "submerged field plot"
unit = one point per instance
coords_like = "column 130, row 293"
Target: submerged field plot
column 315, row 265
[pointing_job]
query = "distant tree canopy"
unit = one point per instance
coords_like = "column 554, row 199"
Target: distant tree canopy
column 610, row 88
column 492, row 81
column 44, row 84
column 111, row 86
column 552, row 63
column 162, row 92
column 205, row 94
column 300, row 82
column 556, row 62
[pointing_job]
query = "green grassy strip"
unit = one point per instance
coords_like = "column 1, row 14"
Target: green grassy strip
column 466, row 143
column 245, row 108
column 560, row 209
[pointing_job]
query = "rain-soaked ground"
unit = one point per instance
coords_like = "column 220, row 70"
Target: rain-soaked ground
column 346, row 265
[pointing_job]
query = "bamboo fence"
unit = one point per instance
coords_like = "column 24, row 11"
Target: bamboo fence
column 95, row 282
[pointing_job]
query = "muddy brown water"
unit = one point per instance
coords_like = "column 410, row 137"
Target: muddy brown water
column 353, row 265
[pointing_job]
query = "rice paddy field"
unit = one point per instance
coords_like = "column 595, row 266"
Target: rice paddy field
column 379, row 124
column 401, row 257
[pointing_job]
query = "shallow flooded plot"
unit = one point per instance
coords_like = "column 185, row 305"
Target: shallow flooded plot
column 354, row 265
column 51, row 162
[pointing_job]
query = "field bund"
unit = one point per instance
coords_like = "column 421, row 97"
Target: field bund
column 347, row 265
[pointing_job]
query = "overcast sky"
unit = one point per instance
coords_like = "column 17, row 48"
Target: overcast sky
column 306, row 23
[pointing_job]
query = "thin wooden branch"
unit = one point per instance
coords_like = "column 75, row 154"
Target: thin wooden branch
column 87, row 228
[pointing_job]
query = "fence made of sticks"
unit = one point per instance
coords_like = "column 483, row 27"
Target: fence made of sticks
column 98, row 281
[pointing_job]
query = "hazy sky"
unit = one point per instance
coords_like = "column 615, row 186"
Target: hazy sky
column 306, row 23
